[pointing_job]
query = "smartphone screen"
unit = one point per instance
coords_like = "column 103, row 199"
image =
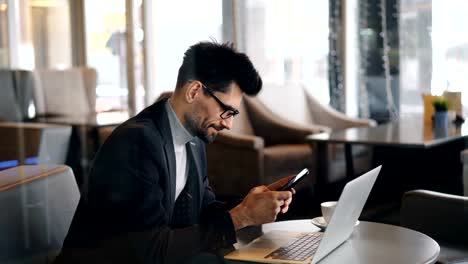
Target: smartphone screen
column 295, row 180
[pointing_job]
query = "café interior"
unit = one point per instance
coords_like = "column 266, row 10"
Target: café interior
column 348, row 85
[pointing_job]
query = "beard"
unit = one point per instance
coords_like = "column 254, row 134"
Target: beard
column 192, row 123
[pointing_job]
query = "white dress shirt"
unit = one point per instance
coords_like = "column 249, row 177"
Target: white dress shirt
column 180, row 137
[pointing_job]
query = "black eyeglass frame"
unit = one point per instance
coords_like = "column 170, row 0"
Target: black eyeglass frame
column 231, row 112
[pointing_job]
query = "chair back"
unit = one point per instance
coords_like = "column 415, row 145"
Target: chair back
column 38, row 203
column 63, row 92
column 90, row 82
column 9, row 109
column 287, row 101
column 164, row 95
column 24, row 87
column 317, row 110
column 242, row 122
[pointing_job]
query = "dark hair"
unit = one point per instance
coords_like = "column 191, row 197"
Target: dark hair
column 216, row 66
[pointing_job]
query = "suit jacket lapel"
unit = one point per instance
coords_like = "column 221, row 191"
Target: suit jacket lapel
column 171, row 164
column 161, row 121
column 192, row 153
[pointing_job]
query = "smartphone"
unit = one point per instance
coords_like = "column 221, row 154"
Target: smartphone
column 291, row 183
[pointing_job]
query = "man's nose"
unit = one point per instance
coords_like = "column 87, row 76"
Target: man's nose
column 227, row 123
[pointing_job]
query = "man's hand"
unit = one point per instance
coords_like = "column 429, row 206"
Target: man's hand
column 280, row 183
column 260, row 206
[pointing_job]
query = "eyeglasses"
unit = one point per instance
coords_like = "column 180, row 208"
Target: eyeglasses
column 228, row 111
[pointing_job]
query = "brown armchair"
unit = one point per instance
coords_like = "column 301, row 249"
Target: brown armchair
column 295, row 102
column 260, row 149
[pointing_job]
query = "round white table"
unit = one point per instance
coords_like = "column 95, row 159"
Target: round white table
column 369, row 243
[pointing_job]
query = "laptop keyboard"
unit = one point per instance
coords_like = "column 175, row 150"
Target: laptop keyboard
column 299, row 249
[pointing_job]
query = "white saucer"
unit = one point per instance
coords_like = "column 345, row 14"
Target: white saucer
column 320, row 222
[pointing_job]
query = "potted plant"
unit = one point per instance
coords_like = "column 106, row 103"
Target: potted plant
column 441, row 106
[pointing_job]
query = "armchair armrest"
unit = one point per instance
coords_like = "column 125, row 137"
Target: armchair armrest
column 240, row 141
column 326, row 115
column 235, row 164
column 442, row 216
column 276, row 130
column 282, row 131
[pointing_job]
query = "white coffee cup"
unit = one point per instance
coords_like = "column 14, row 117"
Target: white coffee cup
column 327, row 210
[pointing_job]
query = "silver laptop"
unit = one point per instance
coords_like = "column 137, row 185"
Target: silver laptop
column 302, row 247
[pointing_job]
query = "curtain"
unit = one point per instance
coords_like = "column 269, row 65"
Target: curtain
column 335, row 56
column 379, row 60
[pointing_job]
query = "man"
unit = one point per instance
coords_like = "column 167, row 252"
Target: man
column 148, row 199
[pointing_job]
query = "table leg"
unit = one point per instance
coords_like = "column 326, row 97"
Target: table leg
column 320, row 151
column 465, row 169
column 96, row 140
column 349, row 161
column 465, row 179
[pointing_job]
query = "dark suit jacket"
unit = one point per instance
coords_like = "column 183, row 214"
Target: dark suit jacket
column 126, row 206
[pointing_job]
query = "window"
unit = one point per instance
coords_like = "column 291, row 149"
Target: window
column 176, row 26
column 288, row 41
column 450, row 47
column 434, row 49
column 415, row 53
column 35, row 34
column 106, row 51
column 4, row 60
column 51, row 36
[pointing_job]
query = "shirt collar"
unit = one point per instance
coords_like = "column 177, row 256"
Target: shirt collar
column 180, row 135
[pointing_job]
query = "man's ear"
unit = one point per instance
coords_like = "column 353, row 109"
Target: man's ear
column 193, row 90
